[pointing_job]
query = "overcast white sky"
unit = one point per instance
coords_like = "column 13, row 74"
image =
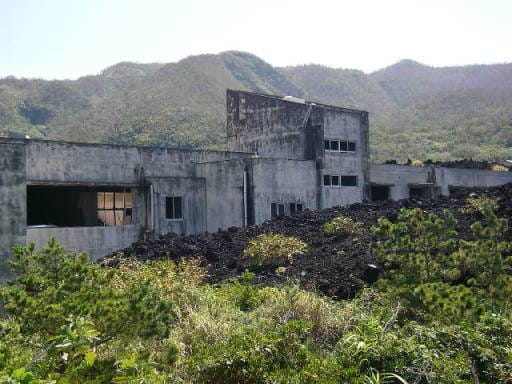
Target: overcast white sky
column 71, row 38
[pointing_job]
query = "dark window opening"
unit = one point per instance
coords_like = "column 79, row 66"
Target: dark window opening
column 335, row 145
column 351, row 146
column 343, row 146
column 174, row 207
column 379, row 192
column 276, row 209
column 327, row 180
column 419, row 192
column 80, row 206
column 327, row 145
column 335, row 180
column 296, row 207
column 348, row 181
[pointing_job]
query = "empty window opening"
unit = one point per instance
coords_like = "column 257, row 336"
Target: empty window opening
column 348, row 181
column 282, row 209
column 379, row 192
column 174, row 207
column 277, row 209
column 335, row 180
column 419, row 192
column 339, row 145
column 296, row 207
column 65, row 206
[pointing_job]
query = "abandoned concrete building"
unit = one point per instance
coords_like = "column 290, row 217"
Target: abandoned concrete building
column 286, row 155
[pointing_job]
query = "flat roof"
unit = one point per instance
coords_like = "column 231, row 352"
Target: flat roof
column 307, row 102
column 37, row 140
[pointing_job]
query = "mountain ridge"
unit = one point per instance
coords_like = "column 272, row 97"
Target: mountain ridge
column 414, row 109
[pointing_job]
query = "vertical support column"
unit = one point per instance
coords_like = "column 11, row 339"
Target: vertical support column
column 13, row 201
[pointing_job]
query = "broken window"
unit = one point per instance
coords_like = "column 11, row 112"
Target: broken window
column 78, row 206
column 174, row 207
column 114, row 208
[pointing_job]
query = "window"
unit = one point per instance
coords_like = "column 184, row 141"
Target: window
column 78, row 206
column 348, row 181
column 296, row 207
column 174, row 207
column 282, row 209
column 337, row 180
column 114, row 208
column 276, row 209
column 339, row 145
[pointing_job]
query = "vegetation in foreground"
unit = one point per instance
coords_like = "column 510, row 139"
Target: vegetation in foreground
column 441, row 314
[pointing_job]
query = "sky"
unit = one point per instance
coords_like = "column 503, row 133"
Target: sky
column 66, row 39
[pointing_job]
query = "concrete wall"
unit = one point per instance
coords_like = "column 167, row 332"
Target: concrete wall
column 350, row 126
column 454, row 177
column 401, row 177
column 281, row 181
column 270, row 126
column 13, row 215
column 224, row 193
column 193, row 193
column 74, row 162
column 97, row 241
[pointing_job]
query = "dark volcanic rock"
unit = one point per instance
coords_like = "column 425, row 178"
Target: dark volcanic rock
column 338, row 267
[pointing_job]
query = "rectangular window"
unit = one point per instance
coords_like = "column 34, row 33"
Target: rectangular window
column 340, row 145
column 335, row 180
column 276, row 209
column 327, row 180
column 348, row 181
column 174, row 207
column 300, row 207
column 114, row 208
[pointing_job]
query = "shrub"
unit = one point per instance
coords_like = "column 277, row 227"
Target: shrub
column 270, row 248
column 343, row 226
column 499, row 168
column 475, row 204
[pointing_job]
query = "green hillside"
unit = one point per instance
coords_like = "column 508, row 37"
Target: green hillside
column 416, row 111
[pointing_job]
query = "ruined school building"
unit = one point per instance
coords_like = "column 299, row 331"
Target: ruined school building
column 286, row 155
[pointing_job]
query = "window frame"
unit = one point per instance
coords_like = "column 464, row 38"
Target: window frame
column 329, row 144
column 127, row 211
column 337, row 180
column 170, row 209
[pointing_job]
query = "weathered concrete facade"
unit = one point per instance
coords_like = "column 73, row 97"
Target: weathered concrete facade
column 286, row 155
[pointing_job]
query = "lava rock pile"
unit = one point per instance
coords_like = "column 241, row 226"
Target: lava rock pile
column 336, row 266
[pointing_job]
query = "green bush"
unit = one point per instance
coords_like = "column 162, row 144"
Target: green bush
column 273, row 249
column 343, row 226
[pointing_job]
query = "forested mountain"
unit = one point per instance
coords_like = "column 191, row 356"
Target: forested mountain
column 416, row 111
